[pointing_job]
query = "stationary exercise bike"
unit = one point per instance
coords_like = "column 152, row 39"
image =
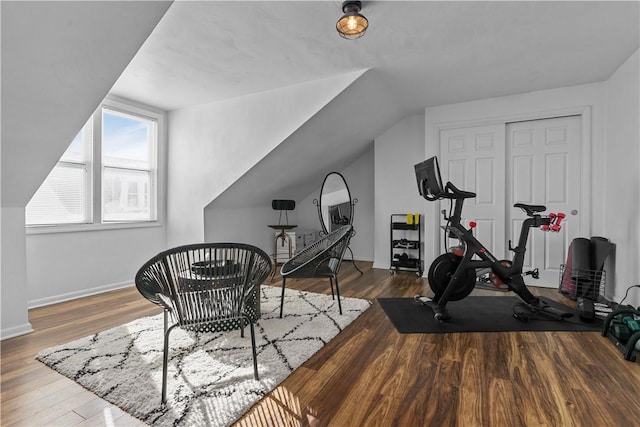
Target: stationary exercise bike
column 452, row 275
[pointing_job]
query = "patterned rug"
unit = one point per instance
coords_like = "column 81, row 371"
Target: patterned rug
column 210, row 378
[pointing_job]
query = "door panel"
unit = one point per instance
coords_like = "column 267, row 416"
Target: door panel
column 543, row 168
column 473, row 159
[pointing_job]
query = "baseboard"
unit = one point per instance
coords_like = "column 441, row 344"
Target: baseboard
column 41, row 302
column 357, row 259
column 16, row 331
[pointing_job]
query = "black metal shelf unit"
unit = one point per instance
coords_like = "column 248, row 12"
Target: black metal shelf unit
column 406, row 243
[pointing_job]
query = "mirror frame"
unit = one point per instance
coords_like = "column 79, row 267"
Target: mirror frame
column 318, row 201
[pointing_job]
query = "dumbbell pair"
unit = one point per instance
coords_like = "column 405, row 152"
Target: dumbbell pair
column 554, row 224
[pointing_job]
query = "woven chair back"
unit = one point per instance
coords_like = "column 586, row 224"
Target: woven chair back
column 325, row 255
column 208, row 286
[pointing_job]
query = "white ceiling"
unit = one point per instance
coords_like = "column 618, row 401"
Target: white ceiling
column 428, row 53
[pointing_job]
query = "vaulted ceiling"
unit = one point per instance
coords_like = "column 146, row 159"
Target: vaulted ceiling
column 428, row 52
column 418, row 54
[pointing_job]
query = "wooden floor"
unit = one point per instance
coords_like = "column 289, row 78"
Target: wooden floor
column 369, row 375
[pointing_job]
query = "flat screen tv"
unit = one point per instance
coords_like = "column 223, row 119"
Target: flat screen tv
column 429, row 179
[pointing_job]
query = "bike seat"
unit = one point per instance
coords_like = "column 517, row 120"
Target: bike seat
column 452, row 192
column 530, row 209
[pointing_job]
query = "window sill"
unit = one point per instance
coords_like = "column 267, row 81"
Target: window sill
column 75, row 228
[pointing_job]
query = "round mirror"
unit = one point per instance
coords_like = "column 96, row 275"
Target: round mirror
column 335, row 203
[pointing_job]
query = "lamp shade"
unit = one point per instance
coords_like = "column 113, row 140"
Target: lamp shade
column 283, row 205
column 352, row 25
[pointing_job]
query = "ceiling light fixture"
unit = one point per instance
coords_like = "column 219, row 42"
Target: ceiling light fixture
column 352, row 25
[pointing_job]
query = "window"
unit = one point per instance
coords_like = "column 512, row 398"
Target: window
column 65, row 196
column 128, row 159
column 107, row 176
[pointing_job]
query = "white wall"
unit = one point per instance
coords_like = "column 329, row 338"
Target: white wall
column 360, row 177
column 243, row 225
column 396, row 152
column 63, row 266
column 211, row 146
column 15, row 320
column 307, row 212
column 621, row 196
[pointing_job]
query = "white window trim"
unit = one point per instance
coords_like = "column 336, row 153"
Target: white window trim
column 126, row 106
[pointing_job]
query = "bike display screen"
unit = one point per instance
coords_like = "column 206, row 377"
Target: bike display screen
column 429, row 179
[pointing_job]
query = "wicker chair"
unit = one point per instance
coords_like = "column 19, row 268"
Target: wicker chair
column 322, row 259
column 208, row 287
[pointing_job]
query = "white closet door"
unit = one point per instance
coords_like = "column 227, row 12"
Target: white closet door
column 473, row 159
column 544, row 167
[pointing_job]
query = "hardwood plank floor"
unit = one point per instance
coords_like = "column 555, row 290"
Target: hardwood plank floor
column 369, row 375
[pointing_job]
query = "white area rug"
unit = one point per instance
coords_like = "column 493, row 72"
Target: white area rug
column 210, row 378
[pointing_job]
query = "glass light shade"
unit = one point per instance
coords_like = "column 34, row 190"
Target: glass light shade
column 352, row 25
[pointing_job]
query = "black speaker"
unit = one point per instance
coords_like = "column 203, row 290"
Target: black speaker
column 283, row 205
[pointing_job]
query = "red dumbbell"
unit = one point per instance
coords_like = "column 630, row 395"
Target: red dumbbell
column 556, row 226
column 547, row 227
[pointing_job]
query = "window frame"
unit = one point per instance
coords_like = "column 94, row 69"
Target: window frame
column 158, row 197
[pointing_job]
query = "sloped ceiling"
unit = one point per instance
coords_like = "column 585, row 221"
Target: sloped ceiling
column 430, row 52
column 335, row 137
column 418, row 53
column 59, row 60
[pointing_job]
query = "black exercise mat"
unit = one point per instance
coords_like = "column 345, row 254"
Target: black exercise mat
column 476, row 314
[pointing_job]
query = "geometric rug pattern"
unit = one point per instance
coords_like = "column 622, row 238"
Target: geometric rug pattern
column 210, row 378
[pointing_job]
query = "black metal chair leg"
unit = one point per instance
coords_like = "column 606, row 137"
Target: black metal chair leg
column 354, row 261
column 338, row 294
column 282, row 296
column 253, row 348
column 331, row 282
column 165, row 360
